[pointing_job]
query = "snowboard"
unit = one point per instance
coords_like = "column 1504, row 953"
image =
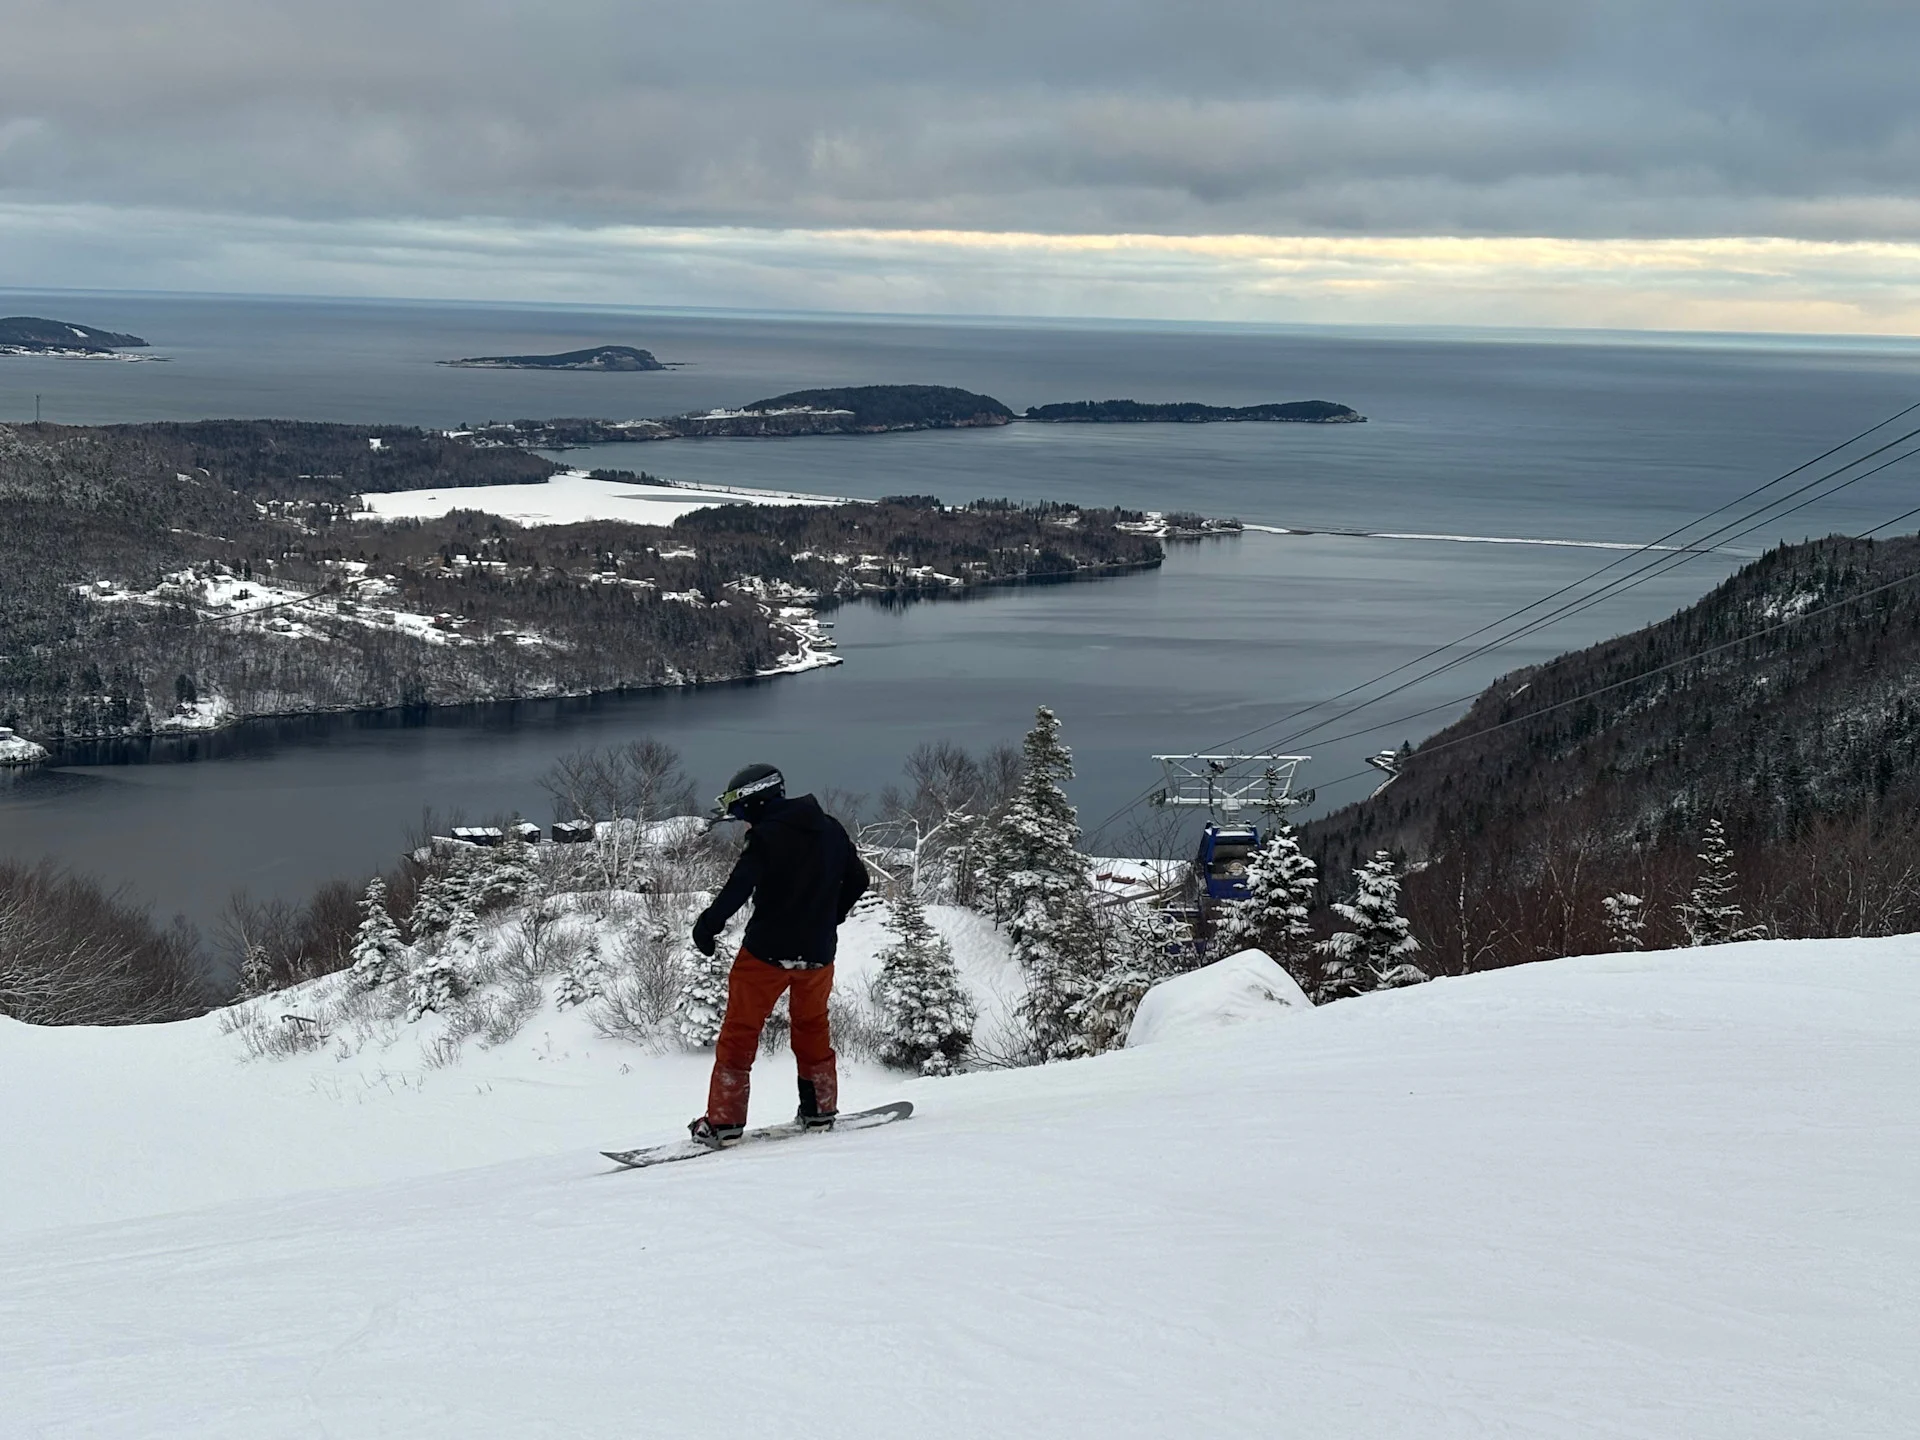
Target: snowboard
column 692, row 1149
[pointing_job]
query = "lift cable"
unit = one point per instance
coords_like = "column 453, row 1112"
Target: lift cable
column 1691, row 550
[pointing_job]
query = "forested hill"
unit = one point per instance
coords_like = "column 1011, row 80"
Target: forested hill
column 178, row 577
column 1189, row 412
column 31, row 332
column 250, row 459
column 897, row 407
column 1736, row 709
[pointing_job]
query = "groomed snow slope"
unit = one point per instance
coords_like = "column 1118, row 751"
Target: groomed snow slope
column 1664, row 1196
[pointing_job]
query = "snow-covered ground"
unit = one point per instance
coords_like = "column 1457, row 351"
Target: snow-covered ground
column 1667, row 1195
column 573, row 496
column 18, row 750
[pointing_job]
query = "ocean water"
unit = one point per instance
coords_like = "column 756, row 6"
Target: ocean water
column 1476, row 436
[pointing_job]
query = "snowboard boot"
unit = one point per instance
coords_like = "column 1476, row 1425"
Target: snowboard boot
column 714, row 1137
column 817, row 1109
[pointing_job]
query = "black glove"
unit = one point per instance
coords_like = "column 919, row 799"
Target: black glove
column 705, row 933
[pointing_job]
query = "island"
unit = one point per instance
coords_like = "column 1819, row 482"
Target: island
column 1188, row 412
column 33, row 335
column 849, row 410
column 606, row 358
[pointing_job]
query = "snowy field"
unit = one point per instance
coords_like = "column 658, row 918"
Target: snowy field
column 573, row 496
column 1664, row 1196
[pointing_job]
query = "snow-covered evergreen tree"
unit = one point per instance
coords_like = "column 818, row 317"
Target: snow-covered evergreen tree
column 379, row 954
column 1626, row 920
column 256, row 973
column 1038, row 878
column 585, row 979
column 503, row 876
column 702, row 1002
column 1710, row 913
column 434, row 983
column 928, row 1016
column 1377, row 952
column 1038, row 833
column 1276, row 915
column 1145, row 945
column 444, row 904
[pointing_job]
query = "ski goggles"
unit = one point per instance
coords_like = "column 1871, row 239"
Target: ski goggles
column 730, row 798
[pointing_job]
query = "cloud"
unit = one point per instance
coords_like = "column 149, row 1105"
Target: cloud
column 1675, row 284
column 1607, row 120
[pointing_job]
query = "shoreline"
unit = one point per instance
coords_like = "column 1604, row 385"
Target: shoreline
column 813, row 656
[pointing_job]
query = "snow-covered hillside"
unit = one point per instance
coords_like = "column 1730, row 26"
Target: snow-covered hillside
column 1666, row 1195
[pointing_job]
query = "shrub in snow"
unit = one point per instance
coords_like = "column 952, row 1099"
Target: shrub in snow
column 1275, row 918
column 927, row 1016
column 1711, row 915
column 1144, row 946
column 1377, row 952
column 1626, row 921
column 379, row 954
column 702, row 1002
column 584, row 980
column 434, row 984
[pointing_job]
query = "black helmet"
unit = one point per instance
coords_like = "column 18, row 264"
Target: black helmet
column 750, row 791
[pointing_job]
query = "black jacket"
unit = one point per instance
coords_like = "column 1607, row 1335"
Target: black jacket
column 804, row 876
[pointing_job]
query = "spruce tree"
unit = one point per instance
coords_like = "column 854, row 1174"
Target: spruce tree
column 702, row 1002
column 584, row 980
column 928, row 1016
column 1626, row 921
column 502, row 876
column 435, row 984
column 1377, row 952
column 1710, row 914
column 379, row 955
column 1282, row 884
column 444, row 904
column 1038, row 877
column 256, row 973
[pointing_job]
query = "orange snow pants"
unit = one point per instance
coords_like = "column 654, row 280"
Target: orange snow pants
column 753, row 987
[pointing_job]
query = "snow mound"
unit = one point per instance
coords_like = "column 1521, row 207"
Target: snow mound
column 1247, row 986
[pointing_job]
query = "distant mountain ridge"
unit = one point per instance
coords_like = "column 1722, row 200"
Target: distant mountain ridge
column 33, row 333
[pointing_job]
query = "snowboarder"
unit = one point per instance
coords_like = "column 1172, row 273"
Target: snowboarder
column 803, row 874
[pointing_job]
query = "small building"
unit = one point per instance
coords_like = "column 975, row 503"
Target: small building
column 572, row 832
column 527, row 832
column 488, row 835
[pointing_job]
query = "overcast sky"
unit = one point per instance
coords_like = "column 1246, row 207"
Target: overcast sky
column 1685, row 163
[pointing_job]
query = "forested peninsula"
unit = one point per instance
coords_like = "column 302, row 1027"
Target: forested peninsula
column 177, row 577
column 33, row 335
